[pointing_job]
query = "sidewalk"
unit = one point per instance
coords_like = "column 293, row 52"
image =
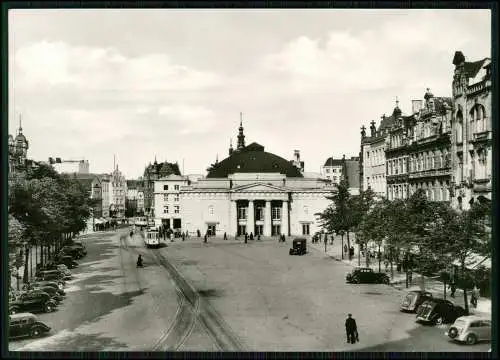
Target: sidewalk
column 399, row 280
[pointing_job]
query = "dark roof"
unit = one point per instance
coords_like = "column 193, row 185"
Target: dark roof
column 253, row 159
column 162, row 169
column 387, row 122
column 472, row 68
column 132, row 184
column 333, row 162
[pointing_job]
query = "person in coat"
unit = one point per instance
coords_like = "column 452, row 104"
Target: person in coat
column 351, row 329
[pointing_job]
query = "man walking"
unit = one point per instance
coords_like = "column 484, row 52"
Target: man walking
column 351, row 329
column 453, row 288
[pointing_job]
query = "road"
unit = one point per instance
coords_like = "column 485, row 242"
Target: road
column 224, row 295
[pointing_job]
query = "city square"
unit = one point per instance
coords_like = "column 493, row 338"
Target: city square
column 250, row 181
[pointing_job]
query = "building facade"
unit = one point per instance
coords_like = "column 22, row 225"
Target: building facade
column 152, row 173
column 471, row 131
column 100, row 190
column 253, row 191
column 18, row 152
column 332, row 170
column 168, row 209
column 117, row 193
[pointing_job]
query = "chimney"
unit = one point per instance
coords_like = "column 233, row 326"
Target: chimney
column 373, row 129
column 296, row 154
column 363, row 132
column 416, row 106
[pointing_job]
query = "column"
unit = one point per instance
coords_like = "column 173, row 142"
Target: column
column 267, row 219
column 250, row 218
column 284, row 218
column 233, row 219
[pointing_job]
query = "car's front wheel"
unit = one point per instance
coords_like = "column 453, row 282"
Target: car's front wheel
column 471, row 339
column 13, row 310
column 49, row 308
column 438, row 321
column 385, row 280
column 453, row 332
column 36, row 332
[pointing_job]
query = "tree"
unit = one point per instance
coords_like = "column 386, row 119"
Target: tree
column 463, row 234
column 15, row 244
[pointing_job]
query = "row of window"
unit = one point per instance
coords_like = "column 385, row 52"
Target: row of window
column 418, row 162
column 375, row 157
column 176, row 209
column 259, row 213
column 166, row 196
column 478, row 122
column 333, row 178
column 176, row 187
column 436, row 192
column 334, row 170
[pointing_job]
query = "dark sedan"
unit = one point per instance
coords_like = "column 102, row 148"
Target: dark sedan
column 26, row 324
column 439, row 311
column 366, row 276
column 32, row 301
column 413, row 299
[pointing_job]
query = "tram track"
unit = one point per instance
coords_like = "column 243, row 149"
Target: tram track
column 192, row 309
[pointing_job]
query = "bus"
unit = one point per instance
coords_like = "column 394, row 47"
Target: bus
column 152, row 238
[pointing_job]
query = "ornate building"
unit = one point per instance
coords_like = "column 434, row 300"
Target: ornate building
column 428, row 163
column 117, row 193
column 471, row 131
column 18, row 152
column 253, row 191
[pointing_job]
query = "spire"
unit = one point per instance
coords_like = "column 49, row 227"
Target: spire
column 20, row 123
column 217, row 158
column 241, row 136
column 230, row 146
column 397, row 102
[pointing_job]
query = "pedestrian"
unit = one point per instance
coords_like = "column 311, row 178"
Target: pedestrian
column 345, row 248
column 331, row 239
column 198, row 232
column 183, row 236
column 251, row 235
column 474, row 296
column 225, row 236
column 386, row 264
column 205, row 238
column 258, row 237
column 453, row 288
column 351, row 329
column 246, row 237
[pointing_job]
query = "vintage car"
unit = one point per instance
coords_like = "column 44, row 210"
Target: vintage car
column 413, row 299
column 66, row 260
column 53, row 293
column 35, row 301
column 439, row 311
column 470, row 329
column 45, row 284
column 42, row 276
column 366, row 276
column 56, row 274
column 26, row 324
column 299, row 246
column 58, row 284
column 54, row 266
column 74, row 252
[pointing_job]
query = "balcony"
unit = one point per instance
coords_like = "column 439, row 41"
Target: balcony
column 481, row 136
column 472, row 89
column 430, row 173
column 481, row 185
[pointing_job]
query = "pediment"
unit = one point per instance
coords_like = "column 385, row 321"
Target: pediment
column 259, row 187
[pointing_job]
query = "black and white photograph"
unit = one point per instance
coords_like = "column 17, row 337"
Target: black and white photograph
column 249, row 180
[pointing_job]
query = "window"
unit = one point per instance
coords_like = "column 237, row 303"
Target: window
column 165, row 187
column 176, row 187
column 165, row 209
column 259, row 213
column 176, row 198
column 211, row 209
column 459, row 127
column 165, row 197
column 176, row 209
column 327, row 170
column 276, row 213
column 242, row 213
column 328, row 178
column 305, row 229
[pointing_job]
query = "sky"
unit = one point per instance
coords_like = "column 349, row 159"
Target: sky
column 137, row 84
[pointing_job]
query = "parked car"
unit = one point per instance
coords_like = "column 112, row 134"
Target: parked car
column 74, row 251
column 413, row 299
column 54, row 266
column 45, row 284
column 366, row 276
column 32, row 301
column 53, row 293
column 55, row 273
column 58, row 284
column 67, row 260
column 470, row 329
column 42, row 276
column 299, row 246
column 26, row 324
column 439, row 311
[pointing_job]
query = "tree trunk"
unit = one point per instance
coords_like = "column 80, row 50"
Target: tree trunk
column 348, row 245
column 17, row 279
column 41, row 255
column 342, row 246
column 359, row 254
column 379, row 257
column 390, row 260
column 466, row 303
column 367, row 255
column 444, row 287
column 26, row 264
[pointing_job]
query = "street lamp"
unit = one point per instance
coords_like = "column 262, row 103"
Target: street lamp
column 341, row 232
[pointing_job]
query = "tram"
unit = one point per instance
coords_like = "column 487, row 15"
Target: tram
column 141, row 222
column 152, row 237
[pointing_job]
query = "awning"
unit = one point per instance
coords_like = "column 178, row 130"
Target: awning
column 474, row 261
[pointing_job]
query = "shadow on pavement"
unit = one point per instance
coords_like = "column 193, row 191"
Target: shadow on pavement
column 210, row 293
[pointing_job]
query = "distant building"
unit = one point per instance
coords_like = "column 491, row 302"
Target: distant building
column 471, row 148
column 118, row 193
column 168, row 211
column 18, row 152
column 152, row 173
column 135, row 196
column 62, row 166
column 332, row 170
column 297, row 162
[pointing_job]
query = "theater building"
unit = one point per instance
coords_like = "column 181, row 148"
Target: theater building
column 253, row 191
